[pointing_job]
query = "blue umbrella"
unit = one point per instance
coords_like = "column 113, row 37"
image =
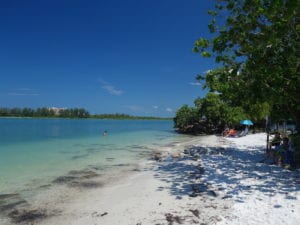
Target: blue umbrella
column 246, row 122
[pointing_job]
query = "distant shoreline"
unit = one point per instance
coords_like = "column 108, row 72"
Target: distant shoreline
column 70, row 113
column 91, row 117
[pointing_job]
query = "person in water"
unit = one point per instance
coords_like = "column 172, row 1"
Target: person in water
column 105, row 133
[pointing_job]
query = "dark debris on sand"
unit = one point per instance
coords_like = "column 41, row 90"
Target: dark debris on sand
column 86, row 184
column 11, row 201
column 197, row 151
column 185, row 174
column 79, row 178
column 156, row 156
column 195, row 212
column 27, row 216
column 172, row 218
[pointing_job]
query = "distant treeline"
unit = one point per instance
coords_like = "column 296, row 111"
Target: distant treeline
column 121, row 116
column 44, row 112
column 67, row 113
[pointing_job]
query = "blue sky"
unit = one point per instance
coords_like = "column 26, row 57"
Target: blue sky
column 108, row 56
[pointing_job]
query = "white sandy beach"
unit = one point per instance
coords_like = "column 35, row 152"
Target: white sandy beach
column 217, row 181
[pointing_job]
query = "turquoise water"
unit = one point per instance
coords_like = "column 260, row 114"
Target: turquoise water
column 33, row 152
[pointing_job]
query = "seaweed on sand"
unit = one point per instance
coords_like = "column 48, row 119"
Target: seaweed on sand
column 10, row 201
column 27, row 215
column 171, row 219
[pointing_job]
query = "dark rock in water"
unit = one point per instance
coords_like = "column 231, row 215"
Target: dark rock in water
column 27, row 216
column 64, row 179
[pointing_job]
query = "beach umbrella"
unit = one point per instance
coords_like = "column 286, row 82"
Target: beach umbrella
column 246, row 122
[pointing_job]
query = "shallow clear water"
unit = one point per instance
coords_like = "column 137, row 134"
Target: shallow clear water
column 33, row 152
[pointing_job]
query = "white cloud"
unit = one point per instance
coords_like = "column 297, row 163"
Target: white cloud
column 110, row 88
column 195, row 83
column 24, row 89
column 134, row 108
column 169, row 110
column 23, row 92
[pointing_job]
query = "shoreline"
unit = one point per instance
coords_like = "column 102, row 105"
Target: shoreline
column 147, row 196
column 208, row 180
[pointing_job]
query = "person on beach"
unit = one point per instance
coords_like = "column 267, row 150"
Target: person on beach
column 231, row 133
column 244, row 132
column 288, row 152
column 276, row 140
column 225, row 132
column 275, row 143
column 284, row 153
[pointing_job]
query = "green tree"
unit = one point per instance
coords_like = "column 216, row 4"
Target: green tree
column 258, row 49
column 27, row 112
column 16, row 112
column 218, row 112
column 4, row 112
column 185, row 116
column 82, row 113
column 210, row 114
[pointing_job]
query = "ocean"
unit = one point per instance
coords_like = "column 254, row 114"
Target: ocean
column 37, row 153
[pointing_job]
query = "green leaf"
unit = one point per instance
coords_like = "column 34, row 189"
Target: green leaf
column 212, row 12
column 202, row 42
column 206, row 54
column 195, row 49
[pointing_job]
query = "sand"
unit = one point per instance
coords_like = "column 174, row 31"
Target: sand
column 211, row 180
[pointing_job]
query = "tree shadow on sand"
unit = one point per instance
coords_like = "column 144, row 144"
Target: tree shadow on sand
column 226, row 173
